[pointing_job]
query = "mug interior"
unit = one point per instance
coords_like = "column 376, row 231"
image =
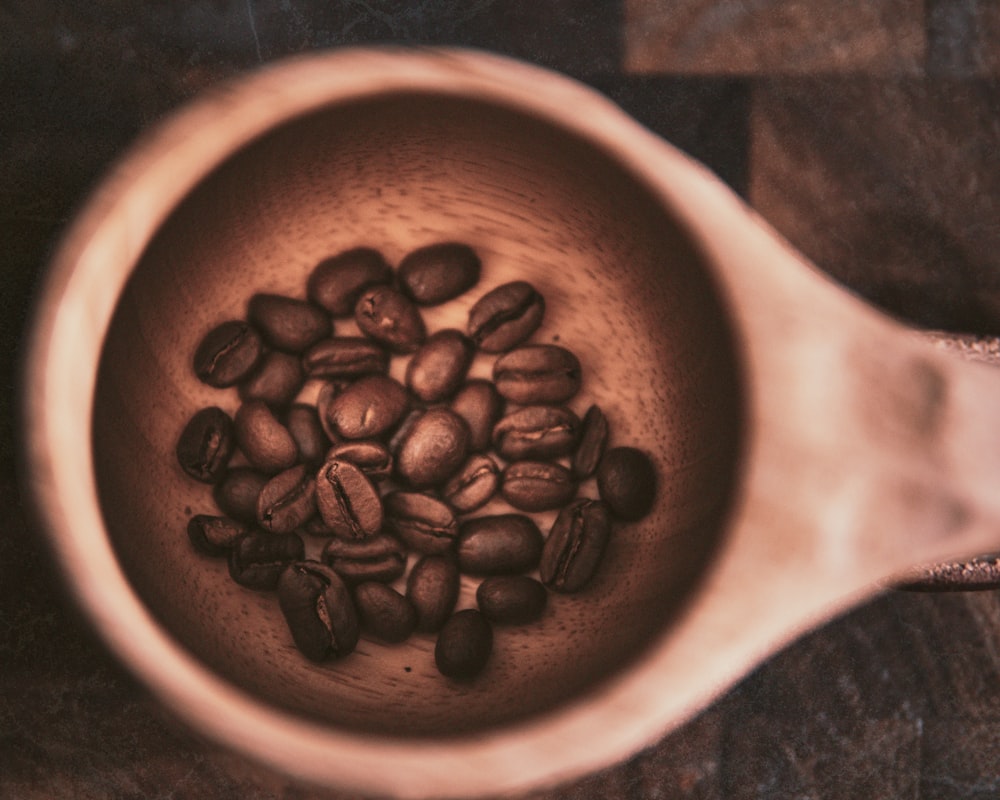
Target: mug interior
column 625, row 288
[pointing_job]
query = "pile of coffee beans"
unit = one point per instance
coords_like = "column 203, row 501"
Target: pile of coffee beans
column 358, row 509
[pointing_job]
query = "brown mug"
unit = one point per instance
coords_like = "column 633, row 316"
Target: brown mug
column 808, row 448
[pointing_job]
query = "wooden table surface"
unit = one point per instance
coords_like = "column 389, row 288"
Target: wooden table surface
column 866, row 131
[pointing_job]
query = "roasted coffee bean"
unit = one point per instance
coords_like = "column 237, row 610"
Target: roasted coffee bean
column 499, row 544
column 575, row 545
column 435, row 447
column 421, row 521
column 303, row 424
column 345, row 357
column 438, row 368
column 348, row 502
column 366, row 409
column 384, row 612
column 473, row 485
column 511, row 599
column 380, row 558
column 214, row 535
column 626, row 479
column 265, row 442
column 287, row 500
column 276, row 380
column 593, row 439
column 336, row 283
column 236, row 494
column 481, row 406
column 286, row 323
column 206, row 444
column 538, row 373
column 390, row 318
column 403, row 429
column 537, row 485
column 369, row 455
column 319, row 611
column 439, row 272
column 328, row 392
column 464, row 645
column 537, row 432
column 258, row 558
column 432, row 587
column 227, row 354
column 506, row 316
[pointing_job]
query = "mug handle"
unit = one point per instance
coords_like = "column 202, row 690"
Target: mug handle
column 869, row 450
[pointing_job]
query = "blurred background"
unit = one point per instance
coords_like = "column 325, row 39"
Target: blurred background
column 866, row 131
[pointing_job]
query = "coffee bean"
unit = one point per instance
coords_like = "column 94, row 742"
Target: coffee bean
column 206, row 444
column 236, row 494
column 384, row 612
column 575, row 545
column 403, row 429
column 539, row 373
column 435, row 447
column 345, row 357
column 286, row 323
column 464, row 645
column 379, row 558
column 227, row 354
column 366, row 426
column 258, row 558
column 328, row 392
column 511, row 599
column 479, row 403
column 369, row 455
column 473, row 485
column 537, row 485
column 276, row 380
column 319, row 611
column 423, row 522
column 593, row 439
column 348, row 502
column 499, row 544
column 367, row 408
column 626, row 479
column 214, row 535
column 439, row 272
column 265, row 442
column 303, row 424
column 336, row 283
column 506, row 316
column 432, row 587
column 390, row 318
column 438, row 368
column 287, row 500
column 536, row 432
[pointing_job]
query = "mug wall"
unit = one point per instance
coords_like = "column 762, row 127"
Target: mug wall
column 625, row 290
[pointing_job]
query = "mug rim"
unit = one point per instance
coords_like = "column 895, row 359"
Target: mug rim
column 72, row 314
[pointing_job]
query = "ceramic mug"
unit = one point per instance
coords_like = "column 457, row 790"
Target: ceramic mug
column 807, row 447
